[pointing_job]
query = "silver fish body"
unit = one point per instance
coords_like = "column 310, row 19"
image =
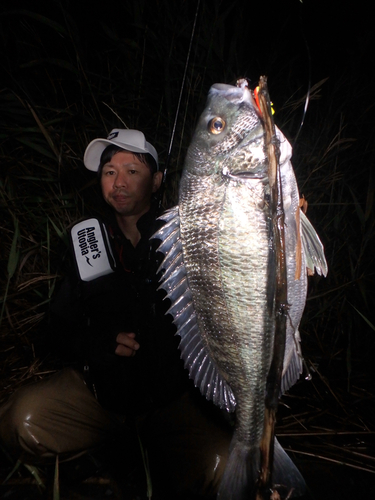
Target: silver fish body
column 220, row 270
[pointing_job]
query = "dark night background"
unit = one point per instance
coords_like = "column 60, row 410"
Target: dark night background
column 72, row 71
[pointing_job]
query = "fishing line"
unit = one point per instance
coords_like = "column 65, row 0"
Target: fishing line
column 180, row 96
column 307, row 101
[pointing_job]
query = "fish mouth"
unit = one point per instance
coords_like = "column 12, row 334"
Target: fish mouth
column 249, row 175
column 234, row 94
column 243, row 175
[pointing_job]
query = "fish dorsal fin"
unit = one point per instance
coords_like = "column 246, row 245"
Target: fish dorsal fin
column 174, row 282
column 313, row 248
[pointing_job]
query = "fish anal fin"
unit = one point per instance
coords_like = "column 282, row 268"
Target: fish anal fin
column 294, row 368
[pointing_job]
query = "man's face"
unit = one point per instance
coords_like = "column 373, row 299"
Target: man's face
column 127, row 184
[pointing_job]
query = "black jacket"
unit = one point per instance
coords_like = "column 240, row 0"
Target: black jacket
column 86, row 317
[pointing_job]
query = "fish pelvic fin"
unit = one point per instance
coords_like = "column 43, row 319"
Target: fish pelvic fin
column 313, row 248
column 241, row 472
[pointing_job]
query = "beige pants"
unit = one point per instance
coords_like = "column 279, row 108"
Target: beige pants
column 186, row 443
column 56, row 416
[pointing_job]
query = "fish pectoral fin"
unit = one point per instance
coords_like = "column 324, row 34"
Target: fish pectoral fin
column 312, row 248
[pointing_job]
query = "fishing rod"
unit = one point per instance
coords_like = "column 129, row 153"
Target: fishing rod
column 178, row 105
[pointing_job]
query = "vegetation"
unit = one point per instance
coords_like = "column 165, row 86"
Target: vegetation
column 69, row 76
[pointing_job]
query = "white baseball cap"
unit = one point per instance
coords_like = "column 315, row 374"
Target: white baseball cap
column 131, row 140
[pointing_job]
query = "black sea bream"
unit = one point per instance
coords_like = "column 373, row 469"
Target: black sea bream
column 220, row 275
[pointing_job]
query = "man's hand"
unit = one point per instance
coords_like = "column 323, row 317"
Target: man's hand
column 127, row 346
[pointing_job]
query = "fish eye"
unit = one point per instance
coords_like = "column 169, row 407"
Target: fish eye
column 216, row 125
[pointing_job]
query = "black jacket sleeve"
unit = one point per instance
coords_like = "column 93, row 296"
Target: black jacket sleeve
column 67, row 322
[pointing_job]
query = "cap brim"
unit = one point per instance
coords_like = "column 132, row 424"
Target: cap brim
column 96, row 147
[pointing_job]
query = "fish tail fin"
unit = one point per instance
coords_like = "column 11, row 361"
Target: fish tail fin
column 285, row 473
column 241, row 472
